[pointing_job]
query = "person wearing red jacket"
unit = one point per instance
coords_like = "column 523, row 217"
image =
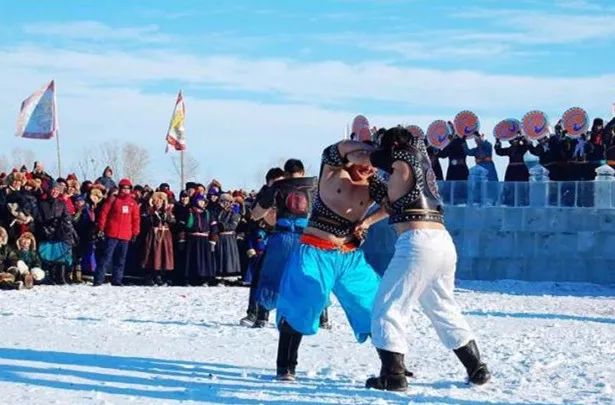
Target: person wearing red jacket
column 119, row 223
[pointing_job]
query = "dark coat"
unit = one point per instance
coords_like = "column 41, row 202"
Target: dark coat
column 516, row 169
column 55, row 223
column 457, row 167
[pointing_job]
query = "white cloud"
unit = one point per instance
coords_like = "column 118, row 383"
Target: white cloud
column 97, row 31
column 527, row 27
column 320, row 83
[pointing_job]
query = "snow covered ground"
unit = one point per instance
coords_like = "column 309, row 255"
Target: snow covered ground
column 546, row 343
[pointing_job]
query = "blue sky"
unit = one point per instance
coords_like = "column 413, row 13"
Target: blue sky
column 267, row 80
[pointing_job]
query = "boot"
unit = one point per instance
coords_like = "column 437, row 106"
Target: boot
column 288, row 349
column 148, row 280
column 262, row 317
column 28, row 281
column 478, row 373
column 67, row 275
column 77, row 279
column 60, row 274
column 392, row 373
column 324, row 320
column 158, row 280
column 248, row 320
column 49, row 276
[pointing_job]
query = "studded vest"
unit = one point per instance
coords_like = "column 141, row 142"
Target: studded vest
column 422, row 203
column 323, row 218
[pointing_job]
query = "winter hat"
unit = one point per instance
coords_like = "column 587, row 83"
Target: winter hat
column 27, row 235
column 78, row 198
column 95, row 192
column 226, row 197
column 196, row 198
column 34, row 183
column 23, row 169
column 164, row 186
column 183, row 194
column 16, row 176
column 213, row 190
column 190, row 185
column 125, row 183
column 71, row 176
column 159, row 195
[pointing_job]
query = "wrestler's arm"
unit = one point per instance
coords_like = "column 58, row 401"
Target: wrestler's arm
column 377, row 216
column 336, row 156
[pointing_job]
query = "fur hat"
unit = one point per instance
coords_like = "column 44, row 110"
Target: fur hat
column 96, row 192
column 4, row 237
column 34, row 183
column 17, row 176
column 226, row 197
column 159, row 195
column 27, row 235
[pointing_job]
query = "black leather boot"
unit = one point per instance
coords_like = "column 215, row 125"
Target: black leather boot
column 392, row 373
column 478, row 373
column 288, row 349
column 60, row 274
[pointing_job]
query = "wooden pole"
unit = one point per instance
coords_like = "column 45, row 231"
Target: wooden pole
column 183, row 178
column 58, row 150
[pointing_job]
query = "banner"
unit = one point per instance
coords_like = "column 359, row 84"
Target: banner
column 416, row 131
column 507, row 129
column 38, row 115
column 535, row 125
column 466, row 123
column 360, row 129
column 575, row 121
column 438, row 134
column 175, row 135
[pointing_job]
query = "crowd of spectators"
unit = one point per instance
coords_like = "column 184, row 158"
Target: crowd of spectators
column 59, row 231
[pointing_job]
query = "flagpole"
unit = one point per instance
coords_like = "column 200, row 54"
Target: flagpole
column 181, row 162
column 58, row 150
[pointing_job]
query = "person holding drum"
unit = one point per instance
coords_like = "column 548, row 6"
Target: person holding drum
column 483, row 153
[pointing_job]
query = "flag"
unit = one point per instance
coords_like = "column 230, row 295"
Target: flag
column 175, row 134
column 38, row 116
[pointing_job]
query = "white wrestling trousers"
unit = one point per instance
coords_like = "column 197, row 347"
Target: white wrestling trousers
column 422, row 272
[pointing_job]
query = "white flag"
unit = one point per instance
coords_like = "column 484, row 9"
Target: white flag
column 38, row 116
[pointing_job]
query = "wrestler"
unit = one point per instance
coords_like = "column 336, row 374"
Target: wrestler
column 422, row 271
column 327, row 258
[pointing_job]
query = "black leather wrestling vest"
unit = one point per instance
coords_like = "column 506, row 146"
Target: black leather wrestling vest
column 422, row 203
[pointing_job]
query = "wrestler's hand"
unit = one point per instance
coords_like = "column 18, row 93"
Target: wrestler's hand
column 360, row 229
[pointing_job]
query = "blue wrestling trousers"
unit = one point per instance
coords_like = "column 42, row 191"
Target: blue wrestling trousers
column 280, row 245
column 312, row 273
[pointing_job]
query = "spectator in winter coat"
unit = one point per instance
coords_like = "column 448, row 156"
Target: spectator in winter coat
column 157, row 257
column 119, row 223
column 106, row 179
column 86, row 229
column 57, row 236
column 26, row 260
column 12, row 277
column 227, row 251
column 18, row 211
column 39, row 173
